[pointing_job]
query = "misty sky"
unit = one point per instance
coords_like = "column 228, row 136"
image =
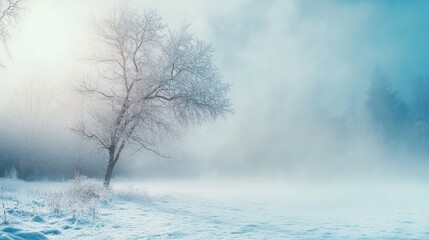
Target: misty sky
column 290, row 64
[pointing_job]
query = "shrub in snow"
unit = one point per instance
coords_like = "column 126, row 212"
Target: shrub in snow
column 6, row 216
column 9, row 183
column 81, row 197
column 85, row 189
column 11, row 173
column 9, row 187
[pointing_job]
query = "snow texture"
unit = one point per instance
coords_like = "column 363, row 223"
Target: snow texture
column 163, row 210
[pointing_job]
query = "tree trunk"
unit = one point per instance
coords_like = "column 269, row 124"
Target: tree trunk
column 109, row 169
column 113, row 158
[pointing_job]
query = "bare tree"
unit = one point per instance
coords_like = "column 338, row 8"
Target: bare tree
column 10, row 14
column 151, row 82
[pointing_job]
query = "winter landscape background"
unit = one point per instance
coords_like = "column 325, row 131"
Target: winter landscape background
column 328, row 137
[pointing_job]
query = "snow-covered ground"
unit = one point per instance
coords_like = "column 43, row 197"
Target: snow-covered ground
column 214, row 210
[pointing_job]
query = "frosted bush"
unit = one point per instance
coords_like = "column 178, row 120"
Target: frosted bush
column 9, row 183
column 9, row 186
column 11, row 173
column 81, row 197
column 85, row 189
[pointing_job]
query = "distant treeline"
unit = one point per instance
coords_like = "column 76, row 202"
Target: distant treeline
column 396, row 121
column 38, row 160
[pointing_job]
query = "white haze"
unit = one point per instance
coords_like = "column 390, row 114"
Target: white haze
column 299, row 157
column 293, row 66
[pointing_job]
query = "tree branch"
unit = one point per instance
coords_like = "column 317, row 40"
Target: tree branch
column 86, row 90
column 91, row 136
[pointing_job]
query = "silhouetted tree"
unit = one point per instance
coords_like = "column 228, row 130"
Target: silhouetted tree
column 386, row 107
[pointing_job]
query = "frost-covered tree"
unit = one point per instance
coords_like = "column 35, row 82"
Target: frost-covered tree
column 386, row 107
column 10, row 14
column 151, row 81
